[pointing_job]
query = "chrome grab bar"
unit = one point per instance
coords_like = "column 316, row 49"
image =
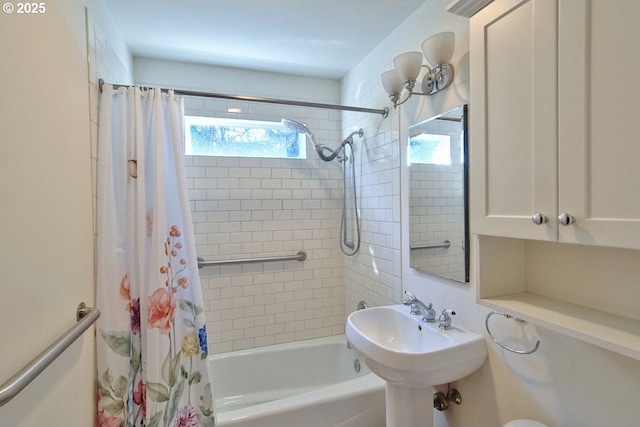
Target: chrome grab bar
column 85, row 317
column 300, row 256
column 446, row 244
column 495, row 340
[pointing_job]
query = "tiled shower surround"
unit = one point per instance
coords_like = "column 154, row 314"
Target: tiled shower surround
column 247, row 207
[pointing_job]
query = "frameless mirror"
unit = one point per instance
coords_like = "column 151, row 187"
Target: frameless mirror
column 438, row 195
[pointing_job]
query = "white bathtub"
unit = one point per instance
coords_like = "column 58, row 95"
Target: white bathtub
column 309, row 383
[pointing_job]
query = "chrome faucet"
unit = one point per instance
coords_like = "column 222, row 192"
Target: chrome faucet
column 418, row 307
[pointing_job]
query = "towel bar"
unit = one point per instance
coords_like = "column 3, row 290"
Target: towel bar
column 495, row 340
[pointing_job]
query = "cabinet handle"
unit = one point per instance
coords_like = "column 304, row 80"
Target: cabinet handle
column 566, row 219
column 539, row 219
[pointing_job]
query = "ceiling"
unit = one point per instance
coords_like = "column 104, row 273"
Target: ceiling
column 318, row 38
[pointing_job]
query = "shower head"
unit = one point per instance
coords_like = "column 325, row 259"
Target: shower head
column 300, row 128
column 296, row 126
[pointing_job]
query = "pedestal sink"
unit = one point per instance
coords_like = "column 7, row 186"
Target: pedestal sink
column 412, row 356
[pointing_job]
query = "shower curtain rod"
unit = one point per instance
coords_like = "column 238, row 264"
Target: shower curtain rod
column 384, row 112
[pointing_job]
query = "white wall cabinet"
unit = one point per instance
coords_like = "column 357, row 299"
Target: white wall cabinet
column 552, row 126
column 513, row 133
column 554, row 129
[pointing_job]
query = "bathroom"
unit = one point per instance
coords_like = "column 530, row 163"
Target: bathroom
column 49, row 71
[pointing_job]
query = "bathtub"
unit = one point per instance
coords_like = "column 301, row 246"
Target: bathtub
column 310, row 383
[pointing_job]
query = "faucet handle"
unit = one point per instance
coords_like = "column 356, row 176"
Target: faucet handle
column 409, row 299
column 415, row 310
column 445, row 318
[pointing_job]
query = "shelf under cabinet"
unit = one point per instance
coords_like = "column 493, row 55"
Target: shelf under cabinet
column 612, row 332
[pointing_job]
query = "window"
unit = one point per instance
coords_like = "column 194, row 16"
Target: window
column 209, row 136
column 430, row 149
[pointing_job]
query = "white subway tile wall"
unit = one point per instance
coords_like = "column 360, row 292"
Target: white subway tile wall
column 374, row 274
column 248, row 207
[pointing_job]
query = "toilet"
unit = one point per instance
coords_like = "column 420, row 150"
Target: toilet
column 524, row 423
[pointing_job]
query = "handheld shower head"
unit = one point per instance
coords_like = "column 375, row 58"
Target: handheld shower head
column 296, row 126
column 300, row 128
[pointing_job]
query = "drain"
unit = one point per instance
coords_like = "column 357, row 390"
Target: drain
column 356, row 365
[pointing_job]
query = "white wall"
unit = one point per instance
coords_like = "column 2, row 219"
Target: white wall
column 566, row 382
column 234, row 81
column 46, row 192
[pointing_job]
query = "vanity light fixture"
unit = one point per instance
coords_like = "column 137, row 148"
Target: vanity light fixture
column 438, row 50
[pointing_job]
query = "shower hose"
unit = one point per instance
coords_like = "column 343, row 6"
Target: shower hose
column 349, row 248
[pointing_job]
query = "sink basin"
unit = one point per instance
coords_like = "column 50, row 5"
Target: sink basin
column 401, row 349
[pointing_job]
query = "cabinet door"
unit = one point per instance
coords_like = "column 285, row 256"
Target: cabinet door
column 599, row 133
column 513, row 127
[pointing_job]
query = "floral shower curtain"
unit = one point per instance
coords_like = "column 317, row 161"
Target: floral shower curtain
column 152, row 344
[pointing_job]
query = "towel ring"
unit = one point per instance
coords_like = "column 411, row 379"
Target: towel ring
column 495, row 340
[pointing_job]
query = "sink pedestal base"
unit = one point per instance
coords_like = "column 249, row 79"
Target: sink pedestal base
column 408, row 406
